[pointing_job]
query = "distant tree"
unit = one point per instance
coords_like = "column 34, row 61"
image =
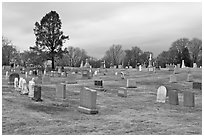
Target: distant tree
column 115, row 55
column 144, row 58
column 162, row 59
column 9, row 51
column 49, row 37
column 195, row 47
column 186, row 57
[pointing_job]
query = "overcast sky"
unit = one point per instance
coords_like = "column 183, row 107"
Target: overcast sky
column 97, row 26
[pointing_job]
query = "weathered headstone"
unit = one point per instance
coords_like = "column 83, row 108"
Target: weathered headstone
column 30, row 72
column 173, row 79
column 194, row 65
column 140, row 67
column 24, row 89
column 7, row 75
column 61, row 90
column 98, row 85
column 31, row 88
column 173, row 97
column 12, row 77
column 188, row 99
column 95, row 73
column 26, row 74
column 131, row 83
column 189, row 78
column 52, row 74
column 122, row 75
column 37, row 93
column 197, row 85
column 20, row 85
column 122, row 92
column 183, row 64
column 176, row 70
column 15, row 83
column 88, row 101
column 161, row 94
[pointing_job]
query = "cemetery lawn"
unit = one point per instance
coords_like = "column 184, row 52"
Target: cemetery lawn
column 138, row 114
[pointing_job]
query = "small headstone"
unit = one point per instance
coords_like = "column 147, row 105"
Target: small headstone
column 20, row 85
column 64, row 74
column 197, row 85
column 52, row 74
column 183, row 64
column 86, row 74
column 173, row 79
column 115, row 67
column 88, row 101
column 161, row 94
column 12, row 77
column 176, row 70
column 95, row 73
column 140, row 68
column 31, row 88
column 188, row 98
column 194, row 65
column 44, row 73
column 59, row 70
column 122, row 92
column 98, row 85
column 173, row 97
column 189, row 78
column 61, row 90
column 122, row 75
column 7, row 75
column 30, row 72
column 116, row 73
column 37, row 93
column 178, row 65
column 131, row 83
column 24, row 90
column 130, row 67
column 16, row 83
column 26, row 74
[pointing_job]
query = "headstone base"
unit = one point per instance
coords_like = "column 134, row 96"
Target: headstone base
column 87, row 110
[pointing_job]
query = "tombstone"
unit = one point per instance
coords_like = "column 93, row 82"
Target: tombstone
column 88, row 101
column 194, row 65
column 7, row 75
column 115, row 67
column 173, row 79
column 87, row 65
column 64, row 74
column 71, row 79
column 130, row 67
column 140, row 68
column 183, row 64
column 98, row 85
column 188, row 99
column 30, row 72
column 86, row 74
column 173, row 97
column 37, row 93
column 15, row 83
column 24, row 89
column 122, row 75
column 59, row 70
column 46, row 79
column 44, row 73
column 26, row 74
column 52, row 74
column 61, row 90
column 95, row 73
column 31, row 85
column 197, row 85
column 81, row 65
column 116, row 73
column 161, row 94
column 178, row 65
column 131, row 83
column 189, row 78
column 176, row 70
column 119, row 66
column 122, row 92
column 12, row 77
column 20, row 85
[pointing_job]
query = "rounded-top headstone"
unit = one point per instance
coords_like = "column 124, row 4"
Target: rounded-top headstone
column 161, row 94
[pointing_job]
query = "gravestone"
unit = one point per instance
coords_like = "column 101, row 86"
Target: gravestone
column 64, row 74
column 46, row 79
column 183, row 64
column 37, row 93
column 52, row 74
column 188, row 99
column 26, row 74
column 86, row 74
column 122, row 75
column 15, row 83
column 98, row 85
column 88, row 101
column 140, row 68
column 20, row 85
column 30, row 72
column 173, row 79
column 31, row 88
column 176, row 70
column 161, row 94
column 173, row 97
column 178, row 65
column 197, row 85
column 171, row 67
column 189, row 78
column 24, row 89
column 61, row 90
column 131, row 83
column 7, row 75
column 122, row 92
column 12, row 77
column 59, row 70
column 95, row 73
column 194, row 65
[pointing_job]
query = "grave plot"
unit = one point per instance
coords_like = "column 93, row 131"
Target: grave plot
column 136, row 114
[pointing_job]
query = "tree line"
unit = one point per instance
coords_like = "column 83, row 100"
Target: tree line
column 50, row 40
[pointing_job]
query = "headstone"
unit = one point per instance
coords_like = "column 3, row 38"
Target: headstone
column 31, row 88
column 161, row 94
column 81, row 65
column 37, row 93
column 30, row 72
column 20, row 85
column 98, row 85
column 115, row 67
column 130, row 67
column 88, row 101
column 140, row 68
column 26, row 74
column 116, row 73
column 173, row 79
column 197, row 85
column 44, row 72
column 131, row 83
column 95, row 73
column 24, row 90
column 122, row 92
column 119, row 66
column 86, row 74
column 122, row 75
column 178, row 65
column 46, row 79
column 52, row 74
column 183, row 64
column 173, row 97
column 87, row 65
column 194, row 65
column 12, row 77
column 7, row 75
column 64, row 74
column 188, row 99
column 16, row 83
column 59, row 70
column 189, row 78
column 61, row 90
column 176, row 70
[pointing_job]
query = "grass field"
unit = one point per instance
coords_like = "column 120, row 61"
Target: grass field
column 138, row 114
